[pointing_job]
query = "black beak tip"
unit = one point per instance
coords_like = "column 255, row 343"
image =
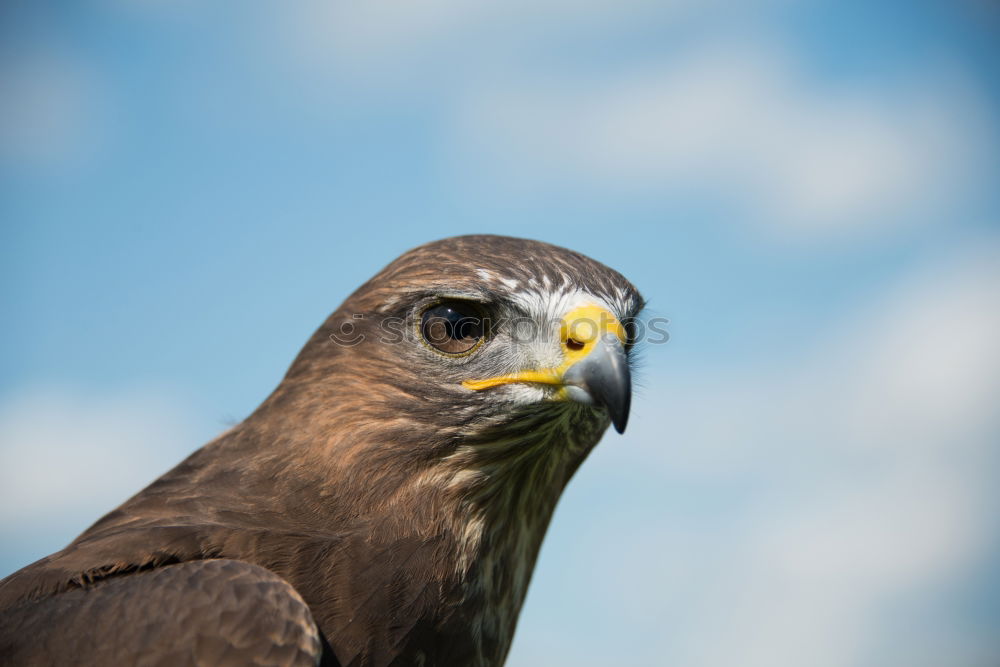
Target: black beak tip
column 619, row 417
column 619, row 424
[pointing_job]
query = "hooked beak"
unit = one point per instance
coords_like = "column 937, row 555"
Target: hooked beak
column 595, row 368
column 602, row 378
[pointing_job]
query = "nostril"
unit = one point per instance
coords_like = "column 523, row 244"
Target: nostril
column 574, row 344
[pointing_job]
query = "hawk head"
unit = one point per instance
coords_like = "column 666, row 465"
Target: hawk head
column 479, row 339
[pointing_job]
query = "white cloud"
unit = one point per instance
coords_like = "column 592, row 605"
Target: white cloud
column 68, row 457
column 51, row 112
column 934, row 375
column 738, row 122
column 388, row 39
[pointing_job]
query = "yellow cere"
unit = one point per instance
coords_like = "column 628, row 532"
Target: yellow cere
column 580, row 329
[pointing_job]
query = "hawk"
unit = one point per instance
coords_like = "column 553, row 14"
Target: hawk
column 384, row 505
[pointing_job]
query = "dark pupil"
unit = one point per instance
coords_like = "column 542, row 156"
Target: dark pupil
column 452, row 328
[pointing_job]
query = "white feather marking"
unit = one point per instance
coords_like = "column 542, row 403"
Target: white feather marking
column 510, row 283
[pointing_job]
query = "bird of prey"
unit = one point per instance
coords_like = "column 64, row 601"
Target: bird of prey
column 384, row 505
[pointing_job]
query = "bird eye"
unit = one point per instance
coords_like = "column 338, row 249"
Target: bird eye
column 453, row 327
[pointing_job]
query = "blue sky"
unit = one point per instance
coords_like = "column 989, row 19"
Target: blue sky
column 806, row 190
